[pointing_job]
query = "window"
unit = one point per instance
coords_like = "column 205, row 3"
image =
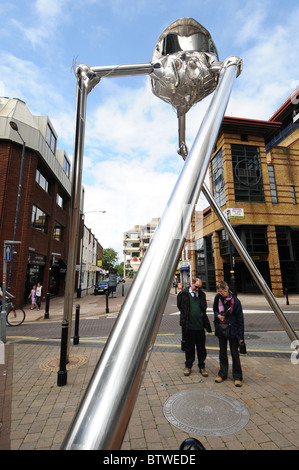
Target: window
column 58, row 232
column 50, row 138
column 59, row 200
column 42, row 180
column 256, row 239
column 39, row 219
column 224, row 244
column 66, row 167
column 293, row 194
column 218, row 178
column 248, row 181
column 273, row 189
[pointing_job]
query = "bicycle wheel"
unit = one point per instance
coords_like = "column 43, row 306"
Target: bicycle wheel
column 15, row 317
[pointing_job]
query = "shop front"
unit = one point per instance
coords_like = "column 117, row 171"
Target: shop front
column 35, row 273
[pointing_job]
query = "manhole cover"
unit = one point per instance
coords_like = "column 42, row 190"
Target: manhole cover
column 205, row 413
column 53, row 363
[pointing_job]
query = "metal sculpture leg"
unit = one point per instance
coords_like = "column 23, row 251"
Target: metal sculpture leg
column 104, row 413
column 83, row 85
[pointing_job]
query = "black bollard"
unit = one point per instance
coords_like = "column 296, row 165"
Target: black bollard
column 76, row 335
column 107, row 307
column 46, row 315
column 287, row 296
column 122, row 290
column 62, row 373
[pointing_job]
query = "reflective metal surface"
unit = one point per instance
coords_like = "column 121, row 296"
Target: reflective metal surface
column 182, row 59
column 83, row 83
column 105, row 410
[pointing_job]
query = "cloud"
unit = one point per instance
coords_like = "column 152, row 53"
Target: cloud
column 130, row 192
column 44, row 20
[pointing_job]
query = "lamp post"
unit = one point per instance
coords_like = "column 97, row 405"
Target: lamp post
column 14, row 126
column 79, row 290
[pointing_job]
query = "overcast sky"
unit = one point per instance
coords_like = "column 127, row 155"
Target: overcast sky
column 130, row 157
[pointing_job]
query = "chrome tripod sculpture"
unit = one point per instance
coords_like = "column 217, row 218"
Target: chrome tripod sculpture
column 184, row 69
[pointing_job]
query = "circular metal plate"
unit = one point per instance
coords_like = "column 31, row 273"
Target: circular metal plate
column 205, row 413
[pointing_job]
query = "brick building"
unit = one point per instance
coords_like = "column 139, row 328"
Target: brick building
column 254, row 174
column 44, row 201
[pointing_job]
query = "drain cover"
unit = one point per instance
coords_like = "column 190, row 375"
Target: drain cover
column 205, row 413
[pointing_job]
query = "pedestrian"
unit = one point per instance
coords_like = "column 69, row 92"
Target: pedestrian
column 33, row 298
column 192, row 305
column 38, row 293
column 228, row 313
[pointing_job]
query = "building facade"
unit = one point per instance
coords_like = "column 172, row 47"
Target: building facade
column 135, row 243
column 44, row 200
column 254, row 174
column 91, row 252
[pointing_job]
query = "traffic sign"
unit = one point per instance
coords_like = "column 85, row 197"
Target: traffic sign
column 7, row 253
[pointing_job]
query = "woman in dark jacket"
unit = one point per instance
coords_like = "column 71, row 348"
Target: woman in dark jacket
column 228, row 310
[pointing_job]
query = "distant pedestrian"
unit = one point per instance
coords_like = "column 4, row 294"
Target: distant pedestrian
column 38, row 294
column 192, row 304
column 33, row 298
column 228, row 313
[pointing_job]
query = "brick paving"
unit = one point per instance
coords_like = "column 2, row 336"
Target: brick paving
column 35, row 413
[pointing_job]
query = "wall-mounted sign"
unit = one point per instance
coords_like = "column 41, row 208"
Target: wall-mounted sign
column 234, row 213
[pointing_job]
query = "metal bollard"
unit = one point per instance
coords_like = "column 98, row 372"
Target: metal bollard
column 46, row 315
column 76, row 335
column 123, row 290
column 107, row 307
column 62, row 373
column 287, row 296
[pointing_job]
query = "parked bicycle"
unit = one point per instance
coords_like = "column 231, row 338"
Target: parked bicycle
column 15, row 315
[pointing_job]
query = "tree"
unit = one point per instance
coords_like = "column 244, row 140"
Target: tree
column 109, row 258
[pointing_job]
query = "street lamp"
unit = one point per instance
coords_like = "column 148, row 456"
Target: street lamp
column 79, row 290
column 14, row 126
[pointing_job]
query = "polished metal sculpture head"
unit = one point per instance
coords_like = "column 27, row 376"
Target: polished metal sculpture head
column 182, row 59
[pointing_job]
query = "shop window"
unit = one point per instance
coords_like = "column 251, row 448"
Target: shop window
column 256, row 240
column 223, row 243
column 284, row 243
column 39, row 220
column 248, row 181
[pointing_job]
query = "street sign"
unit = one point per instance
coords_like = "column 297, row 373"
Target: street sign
column 112, row 282
column 135, row 263
column 7, row 253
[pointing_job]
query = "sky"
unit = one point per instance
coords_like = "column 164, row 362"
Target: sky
column 130, row 154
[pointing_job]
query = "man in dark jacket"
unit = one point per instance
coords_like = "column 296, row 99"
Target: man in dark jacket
column 192, row 305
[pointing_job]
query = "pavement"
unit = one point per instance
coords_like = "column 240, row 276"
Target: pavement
column 35, row 413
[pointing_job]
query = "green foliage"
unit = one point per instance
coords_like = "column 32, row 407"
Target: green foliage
column 109, row 258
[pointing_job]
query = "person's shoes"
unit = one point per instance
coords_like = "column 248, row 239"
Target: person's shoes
column 204, row 372
column 218, row 380
column 187, row 371
column 238, row 383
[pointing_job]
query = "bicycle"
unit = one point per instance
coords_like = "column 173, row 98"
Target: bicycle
column 15, row 315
